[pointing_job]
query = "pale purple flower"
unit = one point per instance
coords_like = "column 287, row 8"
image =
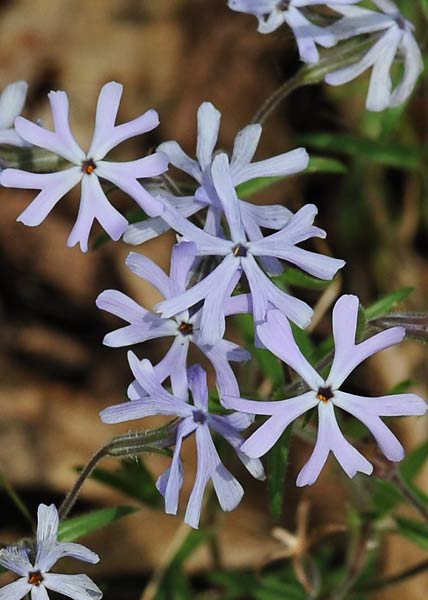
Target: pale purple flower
column 238, row 256
column 12, row 101
column 242, row 169
column 183, row 327
column 194, row 419
column 271, row 14
column 326, row 395
column 396, row 38
column 35, row 576
column 88, row 167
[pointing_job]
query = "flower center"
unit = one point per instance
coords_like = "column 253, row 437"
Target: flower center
column 185, row 328
column 35, row 578
column 88, row 166
column 240, row 250
column 325, row 394
column 199, row 416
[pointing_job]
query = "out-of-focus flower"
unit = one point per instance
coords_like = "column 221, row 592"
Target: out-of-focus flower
column 242, row 169
column 35, row 577
column 183, row 327
column 271, row 14
column 194, row 419
column 396, row 37
column 239, row 256
column 326, row 395
column 12, row 102
column 89, row 167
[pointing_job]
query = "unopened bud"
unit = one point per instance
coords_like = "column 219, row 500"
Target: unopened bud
column 415, row 324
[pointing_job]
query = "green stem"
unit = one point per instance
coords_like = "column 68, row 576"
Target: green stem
column 421, row 567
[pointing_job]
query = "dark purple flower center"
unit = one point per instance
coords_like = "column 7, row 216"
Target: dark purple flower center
column 240, row 250
column 199, row 416
column 88, row 166
column 35, row 578
column 325, row 394
column 185, row 328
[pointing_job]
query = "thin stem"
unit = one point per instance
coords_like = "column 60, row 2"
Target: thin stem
column 73, row 494
column 410, row 495
column 421, row 567
column 276, row 98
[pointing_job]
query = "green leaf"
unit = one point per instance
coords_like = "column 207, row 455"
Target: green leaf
column 386, row 496
column 297, row 278
column 75, row 528
column 414, row 462
column 413, row 530
column 387, row 303
column 321, row 164
column 133, row 479
column 277, row 467
column 367, row 150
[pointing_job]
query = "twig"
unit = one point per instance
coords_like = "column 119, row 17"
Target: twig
column 398, row 578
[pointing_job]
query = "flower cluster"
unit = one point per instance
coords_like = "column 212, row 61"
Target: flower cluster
column 35, row 576
column 392, row 35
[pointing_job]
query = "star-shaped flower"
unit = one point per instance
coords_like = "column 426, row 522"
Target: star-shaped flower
column 195, row 419
column 88, row 167
column 271, row 14
column 396, row 38
column 12, row 102
column 326, row 395
column 239, row 257
column 35, row 576
column 242, row 169
column 183, row 327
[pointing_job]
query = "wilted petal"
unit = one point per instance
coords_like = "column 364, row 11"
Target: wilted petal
column 77, row 587
column 12, row 101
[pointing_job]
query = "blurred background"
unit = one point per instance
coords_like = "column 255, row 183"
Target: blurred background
column 55, row 374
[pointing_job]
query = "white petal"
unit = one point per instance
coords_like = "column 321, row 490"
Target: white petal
column 12, row 102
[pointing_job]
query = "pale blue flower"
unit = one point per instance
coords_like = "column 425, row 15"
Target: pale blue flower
column 239, row 256
column 396, row 37
column 194, row 419
column 271, row 14
column 183, row 327
column 242, row 169
column 35, row 576
column 88, row 167
column 326, row 395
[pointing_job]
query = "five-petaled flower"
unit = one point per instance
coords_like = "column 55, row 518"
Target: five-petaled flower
column 396, row 37
column 35, row 576
column 88, row 167
column 271, row 14
column 326, row 395
column 183, row 327
column 239, row 257
column 194, row 419
column 242, row 169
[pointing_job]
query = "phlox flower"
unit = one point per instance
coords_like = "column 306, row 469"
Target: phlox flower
column 271, row 14
column 242, row 169
column 88, row 167
column 326, row 395
column 194, row 419
column 12, row 101
column 238, row 257
column 183, row 327
column 35, row 577
column 396, row 37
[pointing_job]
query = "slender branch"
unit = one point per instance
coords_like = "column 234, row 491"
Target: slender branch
column 276, row 98
column 73, row 494
column 421, row 567
column 410, row 495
